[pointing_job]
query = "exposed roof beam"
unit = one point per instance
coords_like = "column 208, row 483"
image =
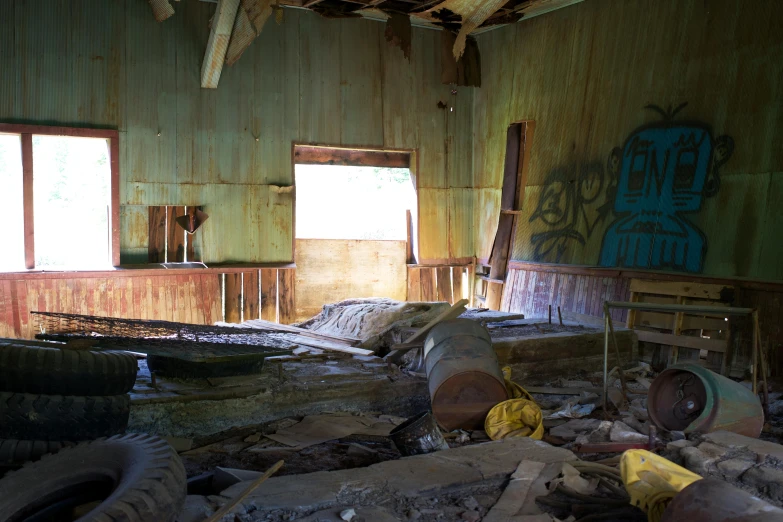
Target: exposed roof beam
column 251, row 17
column 217, row 46
column 161, row 9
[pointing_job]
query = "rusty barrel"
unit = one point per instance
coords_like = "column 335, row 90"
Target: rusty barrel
column 464, row 377
column 687, row 397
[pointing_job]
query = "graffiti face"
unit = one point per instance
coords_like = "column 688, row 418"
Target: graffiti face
column 664, row 170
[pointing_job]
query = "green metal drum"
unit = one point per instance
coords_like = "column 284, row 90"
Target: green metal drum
column 687, row 397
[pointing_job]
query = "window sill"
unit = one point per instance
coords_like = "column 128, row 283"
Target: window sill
column 143, row 270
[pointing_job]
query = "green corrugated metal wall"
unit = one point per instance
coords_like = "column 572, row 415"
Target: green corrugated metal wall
column 108, row 63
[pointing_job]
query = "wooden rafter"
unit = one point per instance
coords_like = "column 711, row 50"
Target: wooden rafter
column 250, row 19
column 217, row 46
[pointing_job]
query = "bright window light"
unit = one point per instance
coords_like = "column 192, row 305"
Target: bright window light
column 72, row 198
column 11, row 204
column 337, row 202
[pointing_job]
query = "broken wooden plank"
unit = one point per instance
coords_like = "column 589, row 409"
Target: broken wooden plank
column 679, row 289
column 546, row 390
column 175, row 242
column 326, row 345
column 261, row 324
column 156, row 238
column 452, row 313
column 250, row 19
column 404, row 347
column 685, row 341
column 217, row 45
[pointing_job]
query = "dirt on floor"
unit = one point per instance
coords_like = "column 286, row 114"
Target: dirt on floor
column 355, row 451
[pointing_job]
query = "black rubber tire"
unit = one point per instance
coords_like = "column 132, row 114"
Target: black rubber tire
column 39, row 369
column 143, row 478
column 17, row 452
column 62, row 417
column 180, row 369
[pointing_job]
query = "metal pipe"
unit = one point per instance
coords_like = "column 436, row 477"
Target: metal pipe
column 655, row 307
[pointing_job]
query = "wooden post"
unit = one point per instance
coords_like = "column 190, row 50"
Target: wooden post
column 28, row 200
column 409, row 244
column 550, row 314
column 754, row 364
column 560, row 316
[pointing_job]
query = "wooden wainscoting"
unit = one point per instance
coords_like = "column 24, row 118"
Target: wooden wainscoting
column 180, row 298
column 439, row 283
column 531, row 287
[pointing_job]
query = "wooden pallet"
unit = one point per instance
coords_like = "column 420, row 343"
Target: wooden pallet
column 681, row 336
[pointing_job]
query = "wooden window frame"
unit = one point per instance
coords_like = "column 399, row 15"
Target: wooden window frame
column 358, row 156
column 26, row 133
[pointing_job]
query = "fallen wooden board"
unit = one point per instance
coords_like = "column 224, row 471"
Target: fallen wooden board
column 455, row 311
column 326, row 345
column 545, row 390
column 685, row 341
column 406, row 346
column 261, row 324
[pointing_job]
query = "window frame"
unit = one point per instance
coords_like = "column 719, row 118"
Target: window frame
column 305, row 153
column 26, row 132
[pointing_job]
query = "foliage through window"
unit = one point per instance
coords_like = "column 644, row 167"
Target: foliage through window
column 56, row 188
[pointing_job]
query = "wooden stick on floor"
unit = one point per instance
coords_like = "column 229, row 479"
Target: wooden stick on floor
column 219, row 514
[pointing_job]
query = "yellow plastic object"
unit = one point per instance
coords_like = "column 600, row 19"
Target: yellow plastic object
column 515, row 391
column 514, row 418
column 652, row 481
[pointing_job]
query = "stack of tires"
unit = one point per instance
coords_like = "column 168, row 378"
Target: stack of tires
column 50, row 397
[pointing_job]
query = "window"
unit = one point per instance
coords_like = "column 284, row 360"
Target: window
column 59, row 198
column 339, row 197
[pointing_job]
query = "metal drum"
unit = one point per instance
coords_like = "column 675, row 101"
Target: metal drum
column 465, row 380
column 687, row 397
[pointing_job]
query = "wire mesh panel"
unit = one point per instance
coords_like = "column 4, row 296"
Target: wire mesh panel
column 192, row 342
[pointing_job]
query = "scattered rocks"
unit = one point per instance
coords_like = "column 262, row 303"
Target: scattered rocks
column 197, row 509
column 255, row 437
column 470, row 516
column 733, row 468
column 677, row 445
column 696, row 461
column 414, row 514
column 571, row 429
column 348, row 514
column 601, row 433
column 713, row 450
column 471, row 503
column 769, row 481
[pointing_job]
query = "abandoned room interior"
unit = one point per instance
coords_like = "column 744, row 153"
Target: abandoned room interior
column 391, row 260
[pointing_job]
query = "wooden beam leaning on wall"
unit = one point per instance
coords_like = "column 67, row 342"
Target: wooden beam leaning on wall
column 217, row 45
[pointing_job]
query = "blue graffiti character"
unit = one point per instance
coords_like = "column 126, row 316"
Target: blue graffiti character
column 663, row 174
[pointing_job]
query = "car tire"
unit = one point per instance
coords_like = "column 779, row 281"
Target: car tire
column 17, row 452
column 62, row 417
column 130, row 478
column 28, row 368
